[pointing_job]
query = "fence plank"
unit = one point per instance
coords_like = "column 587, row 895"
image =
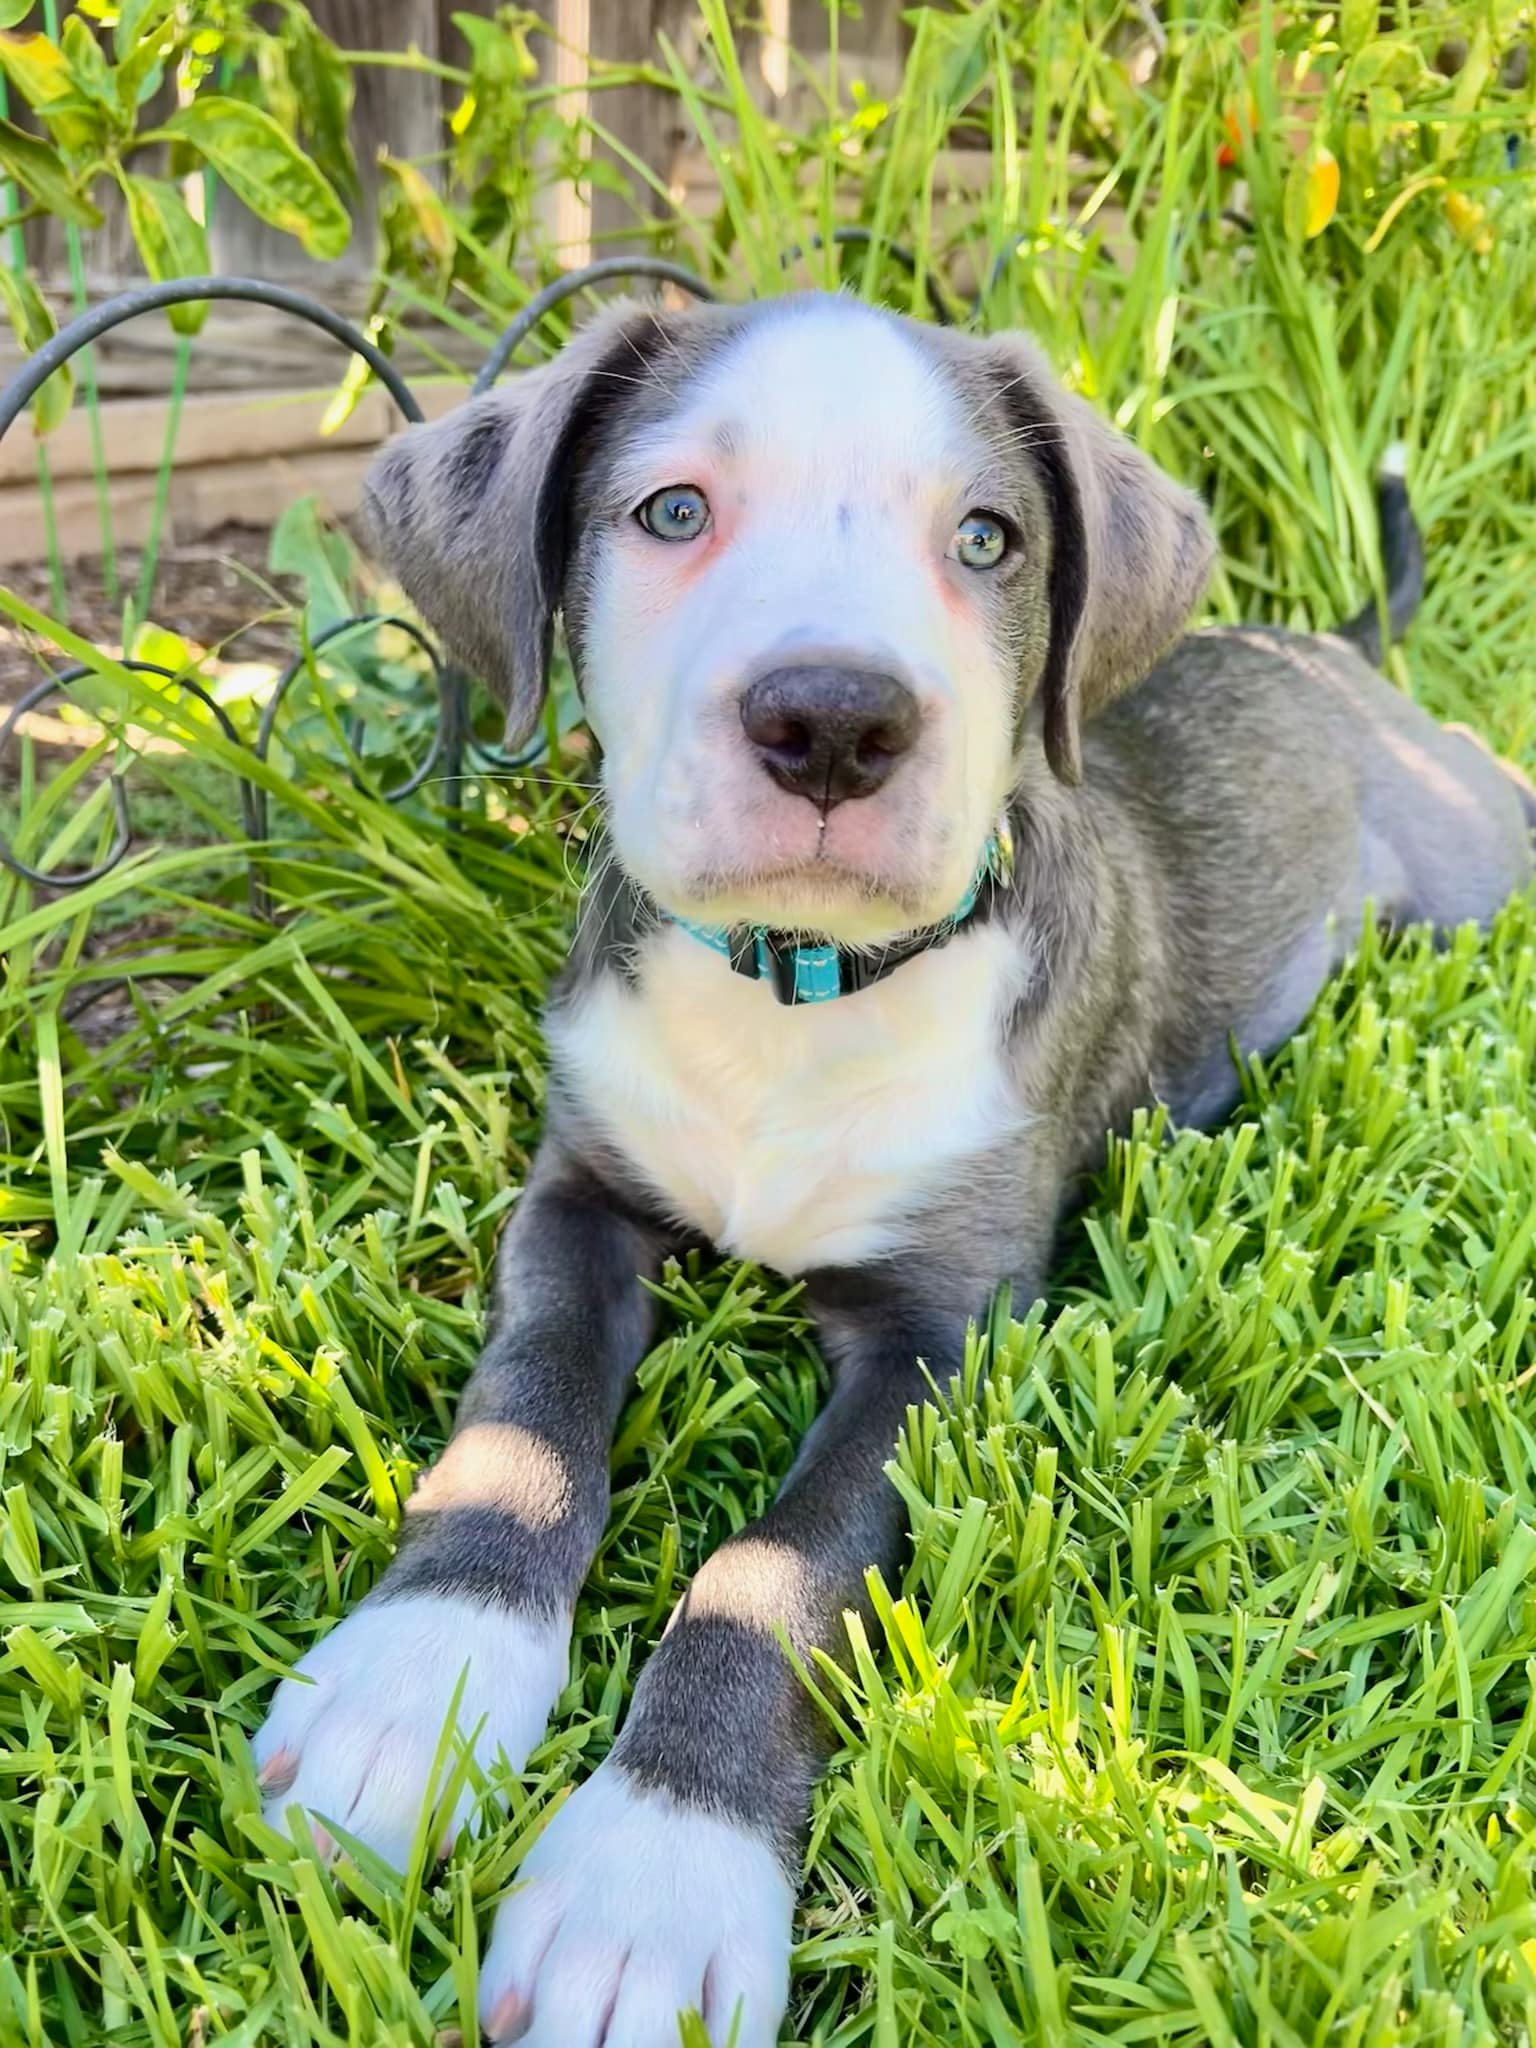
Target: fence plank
column 241, row 465
column 217, row 427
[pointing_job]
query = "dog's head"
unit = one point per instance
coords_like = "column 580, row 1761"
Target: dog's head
column 828, row 577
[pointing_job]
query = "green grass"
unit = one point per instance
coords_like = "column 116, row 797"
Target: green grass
column 1203, row 1711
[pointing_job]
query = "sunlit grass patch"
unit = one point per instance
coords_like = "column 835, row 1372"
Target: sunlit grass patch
column 1208, row 1707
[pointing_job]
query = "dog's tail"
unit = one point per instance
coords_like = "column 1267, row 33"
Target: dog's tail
column 1402, row 558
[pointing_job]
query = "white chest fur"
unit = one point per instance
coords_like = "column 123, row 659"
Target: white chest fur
column 797, row 1137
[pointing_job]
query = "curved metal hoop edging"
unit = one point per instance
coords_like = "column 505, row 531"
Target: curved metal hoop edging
column 563, row 288
column 149, row 298
column 497, row 761
column 78, row 878
column 359, row 622
column 24, row 386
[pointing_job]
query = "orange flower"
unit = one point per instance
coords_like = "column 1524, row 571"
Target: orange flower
column 1237, row 131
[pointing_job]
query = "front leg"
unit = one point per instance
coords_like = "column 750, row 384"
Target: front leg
column 667, row 1881
column 496, row 1540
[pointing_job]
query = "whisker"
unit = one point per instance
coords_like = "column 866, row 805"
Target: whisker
column 650, row 368
column 640, row 383
column 670, row 342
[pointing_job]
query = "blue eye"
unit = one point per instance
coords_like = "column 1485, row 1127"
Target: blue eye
column 677, row 513
column 980, row 541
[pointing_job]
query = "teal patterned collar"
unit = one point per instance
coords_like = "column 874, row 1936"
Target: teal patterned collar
column 799, row 972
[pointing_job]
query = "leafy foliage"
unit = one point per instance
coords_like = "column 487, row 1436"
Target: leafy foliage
column 90, row 92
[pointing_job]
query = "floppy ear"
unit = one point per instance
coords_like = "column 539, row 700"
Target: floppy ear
column 1130, row 549
column 471, row 512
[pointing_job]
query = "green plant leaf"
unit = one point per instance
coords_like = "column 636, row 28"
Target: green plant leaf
column 36, row 68
column 170, row 241
column 347, row 396
column 498, row 51
column 320, row 558
column 432, row 218
column 973, row 1931
column 1385, row 60
column 1357, row 23
column 956, row 53
column 33, row 324
column 41, row 171
column 89, row 70
column 264, row 169
column 135, row 19
column 323, row 84
column 140, row 70
column 1465, row 96
column 271, row 87
column 14, row 12
column 166, row 648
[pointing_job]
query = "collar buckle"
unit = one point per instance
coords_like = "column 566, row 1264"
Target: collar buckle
column 856, row 971
column 779, row 955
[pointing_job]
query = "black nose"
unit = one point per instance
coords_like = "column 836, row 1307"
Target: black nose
column 829, row 733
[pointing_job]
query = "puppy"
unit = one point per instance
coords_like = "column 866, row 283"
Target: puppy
column 930, row 864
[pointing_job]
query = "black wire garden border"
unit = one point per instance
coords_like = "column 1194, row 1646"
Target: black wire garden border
column 454, row 750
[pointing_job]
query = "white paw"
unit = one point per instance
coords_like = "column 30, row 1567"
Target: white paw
column 355, row 1747
column 629, row 1910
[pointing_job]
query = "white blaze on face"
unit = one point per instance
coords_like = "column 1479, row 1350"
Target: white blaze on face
column 836, row 458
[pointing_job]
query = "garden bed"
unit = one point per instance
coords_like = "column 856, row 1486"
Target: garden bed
column 216, row 592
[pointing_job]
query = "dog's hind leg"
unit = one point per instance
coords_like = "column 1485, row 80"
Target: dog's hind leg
column 1448, row 821
column 1455, row 818
column 1525, row 789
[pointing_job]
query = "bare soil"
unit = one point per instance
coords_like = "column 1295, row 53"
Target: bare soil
column 218, row 593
